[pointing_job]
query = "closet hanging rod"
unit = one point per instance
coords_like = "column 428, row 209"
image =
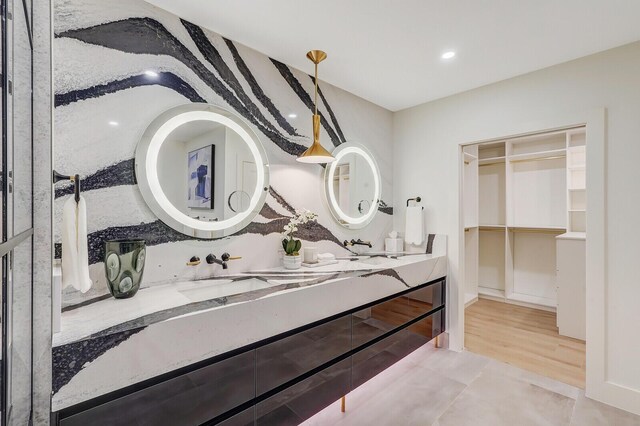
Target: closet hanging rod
column 538, row 230
column 491, row 163
column 553, row 157
column 57, row 177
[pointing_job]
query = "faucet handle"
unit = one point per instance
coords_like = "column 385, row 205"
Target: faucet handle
column 226, row 257
column 194, row 261
column 210, row 258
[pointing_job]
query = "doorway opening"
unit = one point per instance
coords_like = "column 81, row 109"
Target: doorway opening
column 524, row 220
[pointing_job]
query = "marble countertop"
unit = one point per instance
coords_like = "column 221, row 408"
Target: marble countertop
column 106, row 315
column 167, row 327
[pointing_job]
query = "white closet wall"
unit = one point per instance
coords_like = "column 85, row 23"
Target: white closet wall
column 491, row 271
column 470, row 205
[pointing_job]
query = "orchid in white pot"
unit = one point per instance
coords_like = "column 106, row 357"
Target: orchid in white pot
column 291, row 246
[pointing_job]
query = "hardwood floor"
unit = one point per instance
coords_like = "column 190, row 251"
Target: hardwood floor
column 524, row 337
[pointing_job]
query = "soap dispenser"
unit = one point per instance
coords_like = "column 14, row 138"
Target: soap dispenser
column 393, row 244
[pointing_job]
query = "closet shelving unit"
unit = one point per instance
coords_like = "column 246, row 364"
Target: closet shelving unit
column 518, row 195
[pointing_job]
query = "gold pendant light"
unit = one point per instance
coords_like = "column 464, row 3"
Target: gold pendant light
column 316, row 152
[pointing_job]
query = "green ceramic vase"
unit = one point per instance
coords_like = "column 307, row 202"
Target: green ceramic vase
column 124, row 266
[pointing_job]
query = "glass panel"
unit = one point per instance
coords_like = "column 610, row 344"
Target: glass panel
column 423, row 300
column 381, row 355
column 21, row 167
column 17, row 198
column 193, row 398
column 376, row 358
column 428, row 328
column 19, row 334
column 243, row 418
column 285, row 359
column 372, row 322
column 304, row 399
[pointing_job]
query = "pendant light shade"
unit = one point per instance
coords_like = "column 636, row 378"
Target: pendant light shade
column 316, row 153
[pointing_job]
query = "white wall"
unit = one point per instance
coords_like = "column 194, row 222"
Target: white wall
column 173, row 158
column 426, row 163
column 216, row 137
column 237, row 153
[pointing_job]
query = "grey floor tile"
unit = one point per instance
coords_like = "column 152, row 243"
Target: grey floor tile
column 593, row 413
column 463, row 367
column 418, row 399
column 497, row 367
column 496, row 399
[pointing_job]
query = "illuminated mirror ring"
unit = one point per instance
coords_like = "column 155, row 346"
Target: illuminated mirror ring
column 346, row 218
column 147, row 173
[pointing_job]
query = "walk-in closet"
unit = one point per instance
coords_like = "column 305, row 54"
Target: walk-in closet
column 524, row 208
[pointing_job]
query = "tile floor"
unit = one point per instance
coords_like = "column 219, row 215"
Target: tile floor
column 440, row 387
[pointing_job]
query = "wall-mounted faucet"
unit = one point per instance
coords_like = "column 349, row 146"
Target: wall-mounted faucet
column 359, row 242
column 211, row 259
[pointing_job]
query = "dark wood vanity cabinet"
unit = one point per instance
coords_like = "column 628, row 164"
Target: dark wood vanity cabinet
column 285, row 379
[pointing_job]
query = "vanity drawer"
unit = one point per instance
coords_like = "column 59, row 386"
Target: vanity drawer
column 425, row 299
column 288, row 358
column 243, row 418
column 304, row 399
column 192, row 398
column 374, row 359
column 376, row 320
column 427, row 328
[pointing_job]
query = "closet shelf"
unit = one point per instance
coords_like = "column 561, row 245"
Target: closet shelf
column 540, row 155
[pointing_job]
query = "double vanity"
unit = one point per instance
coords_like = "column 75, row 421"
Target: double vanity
column 264, row 344
column 243, row 345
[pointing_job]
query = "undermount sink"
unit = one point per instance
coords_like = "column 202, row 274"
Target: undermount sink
column 377, row 260
column 210, row 289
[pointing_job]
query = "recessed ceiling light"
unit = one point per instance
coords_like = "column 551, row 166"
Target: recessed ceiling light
column 151, row 73
column 448, row 54
column 114, row 123
column 293, row 115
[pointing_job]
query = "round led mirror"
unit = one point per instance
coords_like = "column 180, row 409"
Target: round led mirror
column 352, row 186
column 192, row 160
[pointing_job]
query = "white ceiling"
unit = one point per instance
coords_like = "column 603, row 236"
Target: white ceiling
column 389, row 51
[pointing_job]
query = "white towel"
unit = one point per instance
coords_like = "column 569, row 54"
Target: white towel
column 414, row 233
column 75, row 253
